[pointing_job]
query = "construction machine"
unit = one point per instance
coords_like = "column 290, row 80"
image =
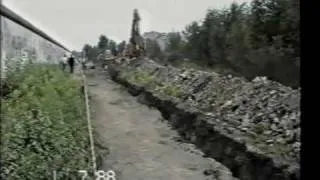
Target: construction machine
column 135, row 47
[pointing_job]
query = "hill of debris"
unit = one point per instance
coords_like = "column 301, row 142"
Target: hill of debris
column 253, row 127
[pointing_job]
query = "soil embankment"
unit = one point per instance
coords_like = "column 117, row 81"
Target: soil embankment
column 253, row 128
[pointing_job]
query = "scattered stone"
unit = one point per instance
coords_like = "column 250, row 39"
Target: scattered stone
column 280, row 140
column 230, row 129
column 92, row 84
column 260, row 114
column 228, row 103
column 273, row 127
column 244, row 129
column 209, row 114
column 193, row 138
column 267, row 132
column 208, row 172
column 296, row 145
column 272, row 92
column 269, row 141
column 276, row 120
column 163, row 142
column 245, row 122
column 289, row 133
column 260, row 79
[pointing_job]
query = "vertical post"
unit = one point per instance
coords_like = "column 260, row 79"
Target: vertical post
column 1, row 73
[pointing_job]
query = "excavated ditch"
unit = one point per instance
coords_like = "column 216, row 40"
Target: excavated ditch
column 226, row 144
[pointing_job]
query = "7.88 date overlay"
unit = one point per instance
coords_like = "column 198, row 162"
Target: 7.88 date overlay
column 85, row 175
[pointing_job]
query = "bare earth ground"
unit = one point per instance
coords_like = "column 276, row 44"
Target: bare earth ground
column 142, row 145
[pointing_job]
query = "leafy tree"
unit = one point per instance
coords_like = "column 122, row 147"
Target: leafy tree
column 91, row 53
column 113, row 47
column 86, row 49
column 174, row 41
column 262, row 38
column 103, row 43
column 121, row 46
column 94, row 53
column 174, row 47
column 193, row 45
column 153, row 49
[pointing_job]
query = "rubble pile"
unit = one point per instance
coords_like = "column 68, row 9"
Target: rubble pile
column 263, row 113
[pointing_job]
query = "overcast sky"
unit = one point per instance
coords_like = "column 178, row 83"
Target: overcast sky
column 76, row 22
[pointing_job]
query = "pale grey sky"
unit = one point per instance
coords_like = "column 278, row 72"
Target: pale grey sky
column 75, row 22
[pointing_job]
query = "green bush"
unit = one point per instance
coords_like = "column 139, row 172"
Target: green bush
column 43, row 125
column 145, row 79
column 170, row 90
column 142, row 78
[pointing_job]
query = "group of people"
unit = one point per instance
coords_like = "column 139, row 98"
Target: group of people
column 70, row 61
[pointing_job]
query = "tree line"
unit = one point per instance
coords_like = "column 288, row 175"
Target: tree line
column 92, row 52
column 261, row 38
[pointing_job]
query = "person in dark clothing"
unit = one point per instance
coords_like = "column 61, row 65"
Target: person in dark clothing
column 71, row 63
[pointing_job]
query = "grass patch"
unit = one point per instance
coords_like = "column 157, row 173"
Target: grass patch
column 145, row 79
column 170, row 90
column 43, row 125
column 142, row 78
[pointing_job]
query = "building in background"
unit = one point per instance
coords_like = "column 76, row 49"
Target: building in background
column 160, row 38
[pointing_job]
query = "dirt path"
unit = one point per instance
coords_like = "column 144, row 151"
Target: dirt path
column 142, row 145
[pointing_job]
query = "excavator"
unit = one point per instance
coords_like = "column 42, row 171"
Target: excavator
column 135, row 47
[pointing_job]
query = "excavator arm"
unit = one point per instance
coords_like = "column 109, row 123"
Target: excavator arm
column 135, row 47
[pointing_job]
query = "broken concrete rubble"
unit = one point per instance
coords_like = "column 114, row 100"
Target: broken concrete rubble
column 251, row 127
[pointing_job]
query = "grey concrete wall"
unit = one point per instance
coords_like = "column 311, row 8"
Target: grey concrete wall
column 19, row 43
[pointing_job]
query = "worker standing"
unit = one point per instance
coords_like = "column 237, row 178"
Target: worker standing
column 63, row 62
column 82, row 61
column 71, row 63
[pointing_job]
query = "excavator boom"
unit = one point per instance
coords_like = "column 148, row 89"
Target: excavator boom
column 135, row 48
